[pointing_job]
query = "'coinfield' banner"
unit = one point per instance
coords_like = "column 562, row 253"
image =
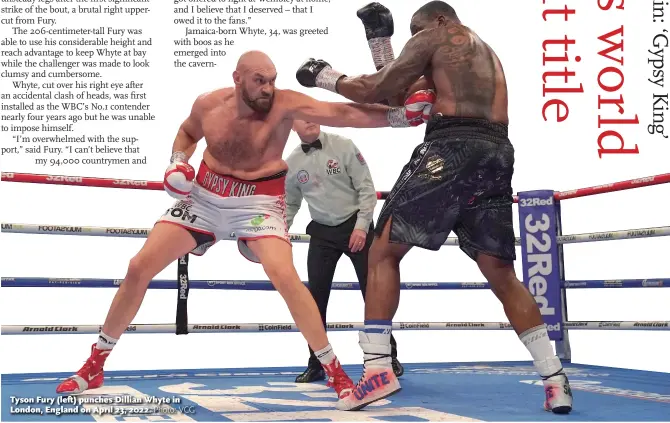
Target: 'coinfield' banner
column 539, row 252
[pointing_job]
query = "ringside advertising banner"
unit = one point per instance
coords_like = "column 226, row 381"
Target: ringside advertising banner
column 539, row 252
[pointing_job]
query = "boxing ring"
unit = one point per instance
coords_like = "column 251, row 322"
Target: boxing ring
column 509, row 391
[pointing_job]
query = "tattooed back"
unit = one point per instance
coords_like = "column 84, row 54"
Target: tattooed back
column 467, row 75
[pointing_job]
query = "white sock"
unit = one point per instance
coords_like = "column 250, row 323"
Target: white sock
column 537, row 342
column 325, row 355
column 105, row 342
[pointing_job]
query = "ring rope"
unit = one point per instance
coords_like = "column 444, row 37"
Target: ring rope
column 382, row 195
column 344, row 326
column 265, row 285
column 51, row 229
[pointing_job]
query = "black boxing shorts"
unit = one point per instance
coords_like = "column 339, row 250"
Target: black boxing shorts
column 459, row 179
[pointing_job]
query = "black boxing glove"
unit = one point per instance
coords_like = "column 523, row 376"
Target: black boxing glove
column 378, row 23
column 318, row 73
column 377, row 20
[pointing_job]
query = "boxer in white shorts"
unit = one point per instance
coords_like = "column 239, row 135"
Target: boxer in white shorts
column 239, row 189
column 221, row 206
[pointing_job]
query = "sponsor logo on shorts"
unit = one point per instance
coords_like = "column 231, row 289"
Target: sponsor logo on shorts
column 263, row 328
column 7, row 226
column 7, row 175
column 578, row 324
column 226, row 187
column 333, row 167
column 342, row 285
column 414, row 325
column 650, row 324
column 182, row 210
column 434, row 166
column 652, row 283
column 567, row 238
column 131, row 328
column 51, row 329
column 217, row 327
column 258, row 220
column 613, row 283
column 302, row 176
column 263, row 228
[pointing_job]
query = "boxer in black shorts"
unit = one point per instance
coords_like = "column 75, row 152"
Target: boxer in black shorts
column 458, row 179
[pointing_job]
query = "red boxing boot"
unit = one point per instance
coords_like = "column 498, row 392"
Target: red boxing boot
column 90, row 376
column 338, row 379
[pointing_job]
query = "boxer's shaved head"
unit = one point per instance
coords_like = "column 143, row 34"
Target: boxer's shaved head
column 431, row 15
column 254, row 77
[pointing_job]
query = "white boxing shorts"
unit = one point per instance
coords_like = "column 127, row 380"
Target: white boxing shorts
column 222, row 207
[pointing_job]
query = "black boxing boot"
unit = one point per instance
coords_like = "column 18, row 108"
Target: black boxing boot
column 378, row 23
column 313, row 372
column 398, row 370
column 318, row 73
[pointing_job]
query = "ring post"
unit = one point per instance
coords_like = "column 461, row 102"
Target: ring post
column 539, row 252
column 563, row 350
column 182, row 296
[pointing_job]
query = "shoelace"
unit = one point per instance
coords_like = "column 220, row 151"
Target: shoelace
column 378, row 356
column 558, row 373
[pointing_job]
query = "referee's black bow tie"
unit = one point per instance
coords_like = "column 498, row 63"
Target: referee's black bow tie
column 316, row 144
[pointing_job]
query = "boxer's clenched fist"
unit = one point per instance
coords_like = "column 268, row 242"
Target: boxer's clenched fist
column 318, row 73
column 415, row 111
column 377, row 20
column 178, row 180
column 420, row 104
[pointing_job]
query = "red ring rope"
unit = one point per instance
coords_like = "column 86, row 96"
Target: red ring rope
column 158, row 186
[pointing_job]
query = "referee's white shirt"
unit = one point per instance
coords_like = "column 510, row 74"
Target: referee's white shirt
column 334, row 180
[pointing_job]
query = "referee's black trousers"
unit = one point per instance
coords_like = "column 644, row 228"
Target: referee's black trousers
column 326, row 246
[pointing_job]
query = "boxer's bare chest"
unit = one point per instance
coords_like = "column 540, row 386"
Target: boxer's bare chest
column 241, row 142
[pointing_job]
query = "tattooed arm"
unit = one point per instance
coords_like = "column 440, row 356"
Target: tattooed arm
column 397, row 76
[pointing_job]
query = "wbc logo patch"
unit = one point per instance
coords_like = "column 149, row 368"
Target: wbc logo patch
column 333, row 167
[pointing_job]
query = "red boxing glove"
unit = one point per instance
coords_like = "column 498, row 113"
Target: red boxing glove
column 179, row 176
column 418, row 106
column 415, row 112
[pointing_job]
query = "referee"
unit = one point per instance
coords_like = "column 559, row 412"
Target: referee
column 329, row 172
